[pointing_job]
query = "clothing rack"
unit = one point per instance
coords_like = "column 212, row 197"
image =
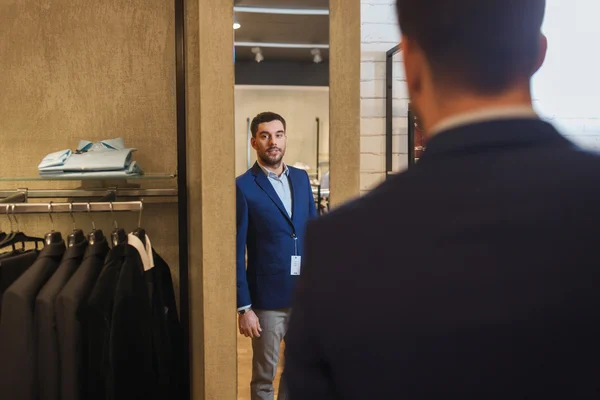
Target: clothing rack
column 55, row 208
column 110, row 193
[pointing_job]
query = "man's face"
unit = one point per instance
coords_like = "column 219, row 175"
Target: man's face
column 270, row 142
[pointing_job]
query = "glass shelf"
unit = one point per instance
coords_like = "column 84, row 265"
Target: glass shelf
column 145, row 177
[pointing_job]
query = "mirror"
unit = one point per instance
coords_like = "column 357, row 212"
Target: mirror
column 282, row 67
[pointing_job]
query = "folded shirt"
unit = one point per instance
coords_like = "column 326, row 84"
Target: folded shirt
column 132, row 170
column 103, row 156
column 55, row 159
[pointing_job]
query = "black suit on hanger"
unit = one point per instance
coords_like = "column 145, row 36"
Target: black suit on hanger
column 17, row 344
column 168, row 334
column 48, row 365
column 97, row 320
column 12, row 266
column 132, row 333
column 68, row 303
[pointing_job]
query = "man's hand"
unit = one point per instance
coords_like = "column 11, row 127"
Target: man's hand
column 249, row 325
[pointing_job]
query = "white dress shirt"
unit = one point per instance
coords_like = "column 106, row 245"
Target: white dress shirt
column 483, row 115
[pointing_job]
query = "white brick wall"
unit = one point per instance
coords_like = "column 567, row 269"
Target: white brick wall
column 566, row 90
column 379, row 33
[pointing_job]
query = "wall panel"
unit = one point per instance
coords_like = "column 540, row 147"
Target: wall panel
column 344, row 100
column 211, row 183
column 89, row 70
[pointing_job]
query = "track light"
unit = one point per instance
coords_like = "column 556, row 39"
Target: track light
column 317, row 58
column 258, row 54
column 236, row 23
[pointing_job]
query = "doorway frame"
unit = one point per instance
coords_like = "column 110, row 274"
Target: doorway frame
column 210, row 163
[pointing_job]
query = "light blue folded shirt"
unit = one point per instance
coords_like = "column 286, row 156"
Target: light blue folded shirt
column 55, row 159
column 132, row 170
column 106, row 155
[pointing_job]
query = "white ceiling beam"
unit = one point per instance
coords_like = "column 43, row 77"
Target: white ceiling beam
column 282, row 45
column 279, row 10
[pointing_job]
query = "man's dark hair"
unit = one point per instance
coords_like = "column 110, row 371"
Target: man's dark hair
column 265, row 117
column 482, row 45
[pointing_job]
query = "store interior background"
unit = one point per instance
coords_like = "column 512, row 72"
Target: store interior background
column 61, row 85
column 566, row 92
column 281, row 65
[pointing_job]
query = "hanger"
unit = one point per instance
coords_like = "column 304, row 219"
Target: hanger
column 52, row 237
column 139, row 231
column 20, row 237
column 118, row 235
column 12, row 233
column 3, row 235
column 95, row 235
column 77, row 235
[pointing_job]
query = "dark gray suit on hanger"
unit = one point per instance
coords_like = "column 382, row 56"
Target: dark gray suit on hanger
column 12, row 266
column 45, row 321
column 17, row 330
column 68, row 303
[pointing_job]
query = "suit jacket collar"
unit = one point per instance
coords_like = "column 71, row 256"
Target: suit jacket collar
column 53, row 249
column 263, row 182
column 491, row 135
column 76, row 251
column 98, row 249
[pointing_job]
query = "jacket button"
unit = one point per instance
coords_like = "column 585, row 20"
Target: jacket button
column 293, row 235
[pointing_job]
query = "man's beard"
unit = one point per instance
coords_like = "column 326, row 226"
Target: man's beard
column 274, row 159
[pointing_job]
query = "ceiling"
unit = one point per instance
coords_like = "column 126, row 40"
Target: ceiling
column 282, row 29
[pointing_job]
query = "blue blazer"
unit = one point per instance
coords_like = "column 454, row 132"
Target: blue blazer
column 266, row 231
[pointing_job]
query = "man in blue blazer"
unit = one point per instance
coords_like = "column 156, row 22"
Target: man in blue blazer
column 274, row 204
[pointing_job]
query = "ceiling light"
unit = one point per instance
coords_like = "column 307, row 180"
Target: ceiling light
column 317, row 58
column 258, row 54
column 236, row 23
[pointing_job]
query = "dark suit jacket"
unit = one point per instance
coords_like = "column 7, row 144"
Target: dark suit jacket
column 48, row 365
column 131, row 349
column 266, row 231
column 97, row 320
column 146, row 339
column 168, row 334
column 12, row 266
column 471, row 276
column 68, row 303
column 17, row 330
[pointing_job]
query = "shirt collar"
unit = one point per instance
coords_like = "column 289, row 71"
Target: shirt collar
column 286, row 171
column 483, row 115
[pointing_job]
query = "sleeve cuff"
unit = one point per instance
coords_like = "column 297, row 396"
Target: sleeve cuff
column 244, row 307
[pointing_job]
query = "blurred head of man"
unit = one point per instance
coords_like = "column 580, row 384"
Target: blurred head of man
column 269, row 139
column 465, row 55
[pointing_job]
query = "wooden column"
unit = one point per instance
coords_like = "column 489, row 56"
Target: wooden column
column 211, row 185
column 344, row 100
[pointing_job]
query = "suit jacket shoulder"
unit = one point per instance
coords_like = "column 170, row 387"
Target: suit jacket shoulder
column 245, row 178
column 17, row 327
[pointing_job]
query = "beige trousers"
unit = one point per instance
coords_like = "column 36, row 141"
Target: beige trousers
column 265, row 354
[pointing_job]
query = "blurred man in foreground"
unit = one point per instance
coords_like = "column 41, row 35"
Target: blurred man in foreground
column 472, row 275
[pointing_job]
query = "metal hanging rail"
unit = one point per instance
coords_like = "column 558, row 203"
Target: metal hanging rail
column 56, row 208
column 20, row 195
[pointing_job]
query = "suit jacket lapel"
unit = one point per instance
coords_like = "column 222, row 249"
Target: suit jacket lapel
column 263, row 182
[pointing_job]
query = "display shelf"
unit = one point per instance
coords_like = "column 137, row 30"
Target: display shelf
column 145, row 177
